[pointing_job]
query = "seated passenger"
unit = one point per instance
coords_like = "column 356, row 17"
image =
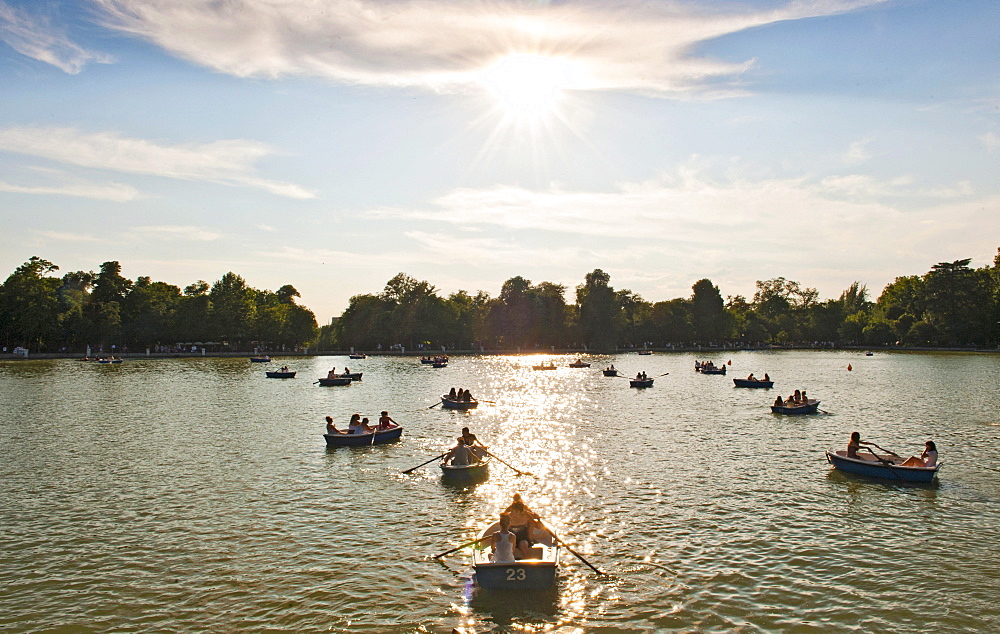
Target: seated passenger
column 854, row 444
column 451, row 394
column 460, row 455
column 331, row 428
column 354, row 426
column 386, row 422
column 928, row 458
column 503, row 543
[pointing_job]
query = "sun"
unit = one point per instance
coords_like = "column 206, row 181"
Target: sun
column 527, row 86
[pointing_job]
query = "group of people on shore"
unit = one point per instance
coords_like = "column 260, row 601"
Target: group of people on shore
column 928, row 458
column 468, row 450
column 460, row 394
column 520, row 529
column 359, row 425
column 797, row 399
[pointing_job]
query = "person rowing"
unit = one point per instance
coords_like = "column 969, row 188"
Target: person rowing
column 385, row 422
column 460, row 455
column 473, row 443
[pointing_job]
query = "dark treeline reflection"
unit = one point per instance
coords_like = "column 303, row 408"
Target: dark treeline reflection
column 950, row 305
column 46, row 313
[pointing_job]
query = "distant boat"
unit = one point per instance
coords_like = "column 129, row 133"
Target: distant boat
column 549, row 366
column 713, row 369
column 610, row 372
column 264, row 359
column 640, row 382
column 358, row 355
column 364, row 440
column 645, row 352
column 579, row 363
column 336, row 380
column 752, row 383
column 869, row 354
column 439, row 364
column 449, row 403
column 804, row 408
column 279, row 374
column 886, row 467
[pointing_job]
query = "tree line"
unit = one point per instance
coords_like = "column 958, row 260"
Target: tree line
column 46, row 313
column 952, row 305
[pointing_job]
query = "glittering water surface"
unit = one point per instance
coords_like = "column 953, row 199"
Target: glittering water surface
column 195, row 494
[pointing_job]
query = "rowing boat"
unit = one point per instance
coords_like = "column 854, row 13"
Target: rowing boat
column 883, row 466
column 610, row 372
column 364, row 440
column 467, row 472
column 449, row 403
column 335, row 380
column 260, row 359
column 640, row 382
column 579, row 364
column 804, row 408
column 536, row 573
column 713, row 370
column 358, row 355
column 278, row 374
column 752, row 383
column 550, row 366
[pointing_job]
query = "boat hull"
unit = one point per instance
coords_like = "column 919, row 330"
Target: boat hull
column 537, row 573
column 796, row 409
column 447, row 403
column 713, row 370
column 363, row 440
column 872, row 468
column 746, row 383
column 641, row 383
column 579, row 365
column 280, row 375
column 260, row 359
column 466, row 473
column 327, row 382
column 610, row 372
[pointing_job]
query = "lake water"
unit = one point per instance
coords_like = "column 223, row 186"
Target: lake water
column 195, row 494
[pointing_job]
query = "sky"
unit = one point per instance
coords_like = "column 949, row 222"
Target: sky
column 331, row 144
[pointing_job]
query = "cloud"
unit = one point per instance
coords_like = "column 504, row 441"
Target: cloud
column 178, row 232
column 446, row 44
column 857, row 152
column 228, row 162
column 991, row 141
column 37, row 38
column 62, row 236
column 114, row 192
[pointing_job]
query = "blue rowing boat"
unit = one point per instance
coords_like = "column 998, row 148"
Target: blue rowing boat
column 881, row 466
column 278, row 374
column 363, row 440
column 752, row 383
column 535, row 573
column 804, row 408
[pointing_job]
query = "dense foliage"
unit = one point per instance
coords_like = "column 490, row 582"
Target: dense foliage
column 950, row 306
column 42, row 312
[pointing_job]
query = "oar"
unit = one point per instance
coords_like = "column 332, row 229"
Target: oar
column 886, row 450
column 435, row 405
column 575, row 554
column 659, row 375
column 887, row 463
column 448, row 552
column 428, row 462
column 519, row 472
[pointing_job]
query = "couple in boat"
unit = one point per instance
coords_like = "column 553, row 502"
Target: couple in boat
column 468, row 450
column 928, row 458
column 520, row 529
column 358, row 425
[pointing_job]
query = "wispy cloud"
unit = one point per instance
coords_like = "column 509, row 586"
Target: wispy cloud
column 229, row 162
column 177, row 232
column 112, row 191
column 443, row 44
column 857, row 153
column 63, row 236
column 36, row 37
column 991, row 141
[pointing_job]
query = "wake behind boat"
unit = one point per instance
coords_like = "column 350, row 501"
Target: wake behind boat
column 881, row 466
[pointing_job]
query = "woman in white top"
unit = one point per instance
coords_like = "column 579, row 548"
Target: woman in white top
column 927, row 459
column 503, row 542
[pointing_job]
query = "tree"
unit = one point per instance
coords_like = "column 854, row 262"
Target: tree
column 707, row 311
column 233, row 308
column 597, row 307
column 29, row 305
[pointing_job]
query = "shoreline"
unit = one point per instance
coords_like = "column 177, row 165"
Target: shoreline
column 469, row 352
